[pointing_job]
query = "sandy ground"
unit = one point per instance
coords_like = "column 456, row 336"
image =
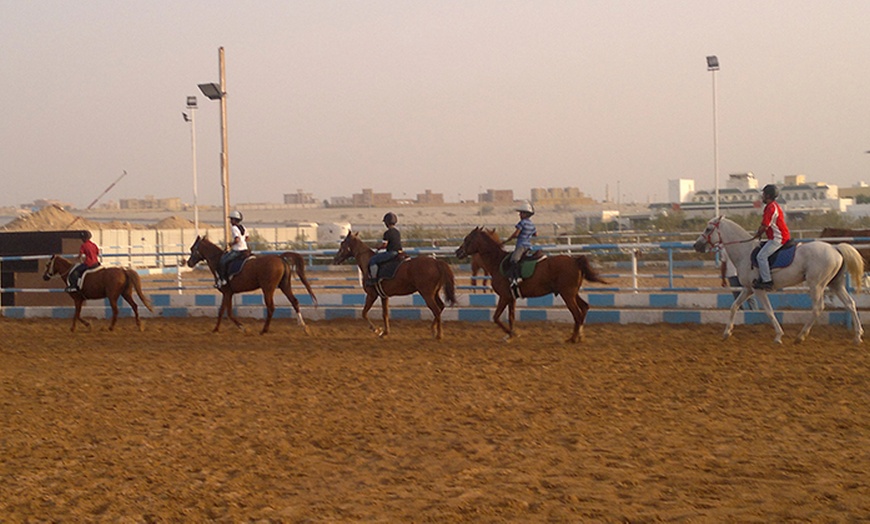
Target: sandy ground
column 638, row 424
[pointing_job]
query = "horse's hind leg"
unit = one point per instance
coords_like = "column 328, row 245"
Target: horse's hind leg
column 128, row 297
column 436, row 305
column 818, row 298
column 285, row 288
column 269, row 299
column 573, row 301
column 849, row 302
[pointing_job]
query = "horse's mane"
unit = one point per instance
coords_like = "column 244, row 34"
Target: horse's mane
column 735, row 226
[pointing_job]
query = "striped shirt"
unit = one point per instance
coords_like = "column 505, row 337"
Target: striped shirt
column 527, row 231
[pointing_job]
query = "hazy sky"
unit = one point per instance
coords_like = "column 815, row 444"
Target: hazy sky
column 454, row 96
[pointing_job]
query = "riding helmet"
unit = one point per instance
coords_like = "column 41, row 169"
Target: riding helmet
column 770, row 191
column 526, row 207
column 85, row 235
column 236, row 214
column 391, row 219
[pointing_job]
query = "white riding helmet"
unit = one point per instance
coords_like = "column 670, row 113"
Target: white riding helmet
column 526, row 207
column 236, row 214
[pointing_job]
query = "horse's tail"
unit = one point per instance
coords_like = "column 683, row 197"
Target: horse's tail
column 587, row 271
column 134, row 280
column 297, row 261
column 448, row 281
column 854, row 263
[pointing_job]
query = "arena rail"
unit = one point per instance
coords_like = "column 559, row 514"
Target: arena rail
column 339, row 295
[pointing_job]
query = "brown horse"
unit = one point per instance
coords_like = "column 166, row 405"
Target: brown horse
column 266, row 272
column 477, row 267
column 108, row 282
column 833, row 232
column 560, row 274
column 424, row 275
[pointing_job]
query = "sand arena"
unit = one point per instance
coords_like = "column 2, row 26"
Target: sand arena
column 637, row 424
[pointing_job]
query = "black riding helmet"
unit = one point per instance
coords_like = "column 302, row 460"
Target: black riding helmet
column 391, row 219
column 85, row 235
column 770, row 191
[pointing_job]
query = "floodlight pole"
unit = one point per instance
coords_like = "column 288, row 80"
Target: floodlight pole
column 191, row 106
column 713, row 66
column 219, row 92
column 225, row 167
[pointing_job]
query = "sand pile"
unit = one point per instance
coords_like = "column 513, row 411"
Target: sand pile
column 174, row 222
column 50, row 218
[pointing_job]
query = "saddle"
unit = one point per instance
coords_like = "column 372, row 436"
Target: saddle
column 81, row 276
column 235, row 266
column 388, row 269
column 527, row 264
column 782, row 257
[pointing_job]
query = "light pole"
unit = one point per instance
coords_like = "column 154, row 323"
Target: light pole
column 191, row 107
column 219, row 92
column 713, row 66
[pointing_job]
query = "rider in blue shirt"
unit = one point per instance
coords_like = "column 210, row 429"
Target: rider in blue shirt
column 523, row 232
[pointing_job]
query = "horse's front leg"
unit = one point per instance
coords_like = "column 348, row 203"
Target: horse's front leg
column 77, row 316
column 225, row 301
column 744, row 295
column 385, row 310
column 370, row 301
column 503, row 302
column 768, row 310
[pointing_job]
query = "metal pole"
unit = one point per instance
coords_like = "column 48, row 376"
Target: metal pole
column 225, row 168
column 193, row 155
column 715, row 146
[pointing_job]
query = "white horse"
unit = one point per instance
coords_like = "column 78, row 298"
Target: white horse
column 819, row 264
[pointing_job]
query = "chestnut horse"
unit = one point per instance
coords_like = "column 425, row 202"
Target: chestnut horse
column 424, row 275
column 559, row 274
column 266, row 272
column 477, row 267
column 107, row 282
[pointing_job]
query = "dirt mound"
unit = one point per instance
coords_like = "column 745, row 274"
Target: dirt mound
column 174, row 222
column 50, row 218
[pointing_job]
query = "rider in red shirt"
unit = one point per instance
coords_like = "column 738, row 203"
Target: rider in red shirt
column 89, row 255
column 774, row 227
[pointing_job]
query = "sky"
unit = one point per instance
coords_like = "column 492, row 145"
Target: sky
column 330, row 97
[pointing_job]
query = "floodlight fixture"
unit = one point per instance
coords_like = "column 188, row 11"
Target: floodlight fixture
column 712, row 63
column 212, row 91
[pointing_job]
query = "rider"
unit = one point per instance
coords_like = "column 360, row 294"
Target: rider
column 523, row 232
column 391, row 244
column 773, row 225
column 238, row 248
column 88, row 259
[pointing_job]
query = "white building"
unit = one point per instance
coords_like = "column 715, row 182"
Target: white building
column 680, row 190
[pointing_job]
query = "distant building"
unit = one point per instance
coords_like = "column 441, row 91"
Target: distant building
column 560, row 196
column 497, row 197
column 41, row 203
column 430, row 198
column 369, row 198
column 149, row 202
column 299, row 198
column 860, row 189
column 680, row 190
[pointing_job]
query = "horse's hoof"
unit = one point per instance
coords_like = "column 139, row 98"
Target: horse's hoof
column 306, row 330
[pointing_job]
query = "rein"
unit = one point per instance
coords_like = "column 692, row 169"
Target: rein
column 722, row 243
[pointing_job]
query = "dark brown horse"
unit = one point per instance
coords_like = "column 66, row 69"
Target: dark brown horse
column 266, row 272
column 107, row 282
column 477, row 267
column 560, row 274
column 833, row 232
column 424, row 275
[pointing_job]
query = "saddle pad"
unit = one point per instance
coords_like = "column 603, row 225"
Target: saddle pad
column 388, row 269
column 527, row 266
column 782, row 257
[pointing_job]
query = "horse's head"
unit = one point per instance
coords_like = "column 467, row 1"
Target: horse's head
column 711, row 237
column 470, row 244
column 50, row 269
column 196, row 255
column 347, row 247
